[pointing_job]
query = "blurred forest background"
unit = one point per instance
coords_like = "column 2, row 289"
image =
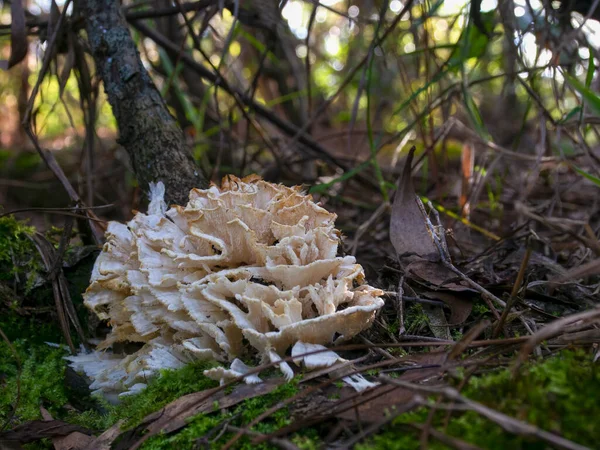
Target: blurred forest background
column 499, row 99
column 495, row 97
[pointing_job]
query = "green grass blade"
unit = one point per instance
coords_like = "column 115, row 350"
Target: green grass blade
column 591, row 98
column 589, row 176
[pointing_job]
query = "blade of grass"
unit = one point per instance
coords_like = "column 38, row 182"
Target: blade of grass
column 592, row 99
column 470, row 105
column 584, row 174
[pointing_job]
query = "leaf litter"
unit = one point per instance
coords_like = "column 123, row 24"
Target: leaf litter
column 458, row 295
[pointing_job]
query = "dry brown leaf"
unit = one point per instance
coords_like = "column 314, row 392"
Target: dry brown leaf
column 436, row 319
column 408, row 230
column 53, row 19
column 375, row 404
column 18, row 36
column 68, row 65
column 411, row 237
column 460, row 308
column 436, row 274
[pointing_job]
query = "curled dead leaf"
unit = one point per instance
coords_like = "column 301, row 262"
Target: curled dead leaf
column 411, row 236
column 460, row 307
column 408, row 230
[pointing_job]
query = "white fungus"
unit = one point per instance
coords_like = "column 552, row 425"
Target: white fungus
column 250, row 268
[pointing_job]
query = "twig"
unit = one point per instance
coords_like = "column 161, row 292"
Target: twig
column 350, row 443
column 52, row 210
column 281, row 443
column 515, row 291
column 381, row 351
column 440, row 242
column 508, row 423
column 368, row 224
column 400, row 299
column 285, row 126
column 46, row 156
column 553, row 329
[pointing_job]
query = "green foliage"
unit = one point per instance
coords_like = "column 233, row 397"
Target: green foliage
column 592, row 99
column 558, row 395
column 473, row 41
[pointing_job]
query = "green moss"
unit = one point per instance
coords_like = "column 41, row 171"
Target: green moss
column 18, row 255
column 163, row 389
column 480, row 308
column 41, row 381
column 206, row 428
column 559, row 395
column 416, row 319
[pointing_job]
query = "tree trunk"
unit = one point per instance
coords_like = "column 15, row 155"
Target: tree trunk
column 147, row 130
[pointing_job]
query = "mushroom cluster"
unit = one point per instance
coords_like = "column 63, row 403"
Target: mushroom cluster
column 247, row 268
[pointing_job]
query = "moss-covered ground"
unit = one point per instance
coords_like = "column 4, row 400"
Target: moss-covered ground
column 558, row 394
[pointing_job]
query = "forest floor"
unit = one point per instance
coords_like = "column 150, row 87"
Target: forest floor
column 493, row 345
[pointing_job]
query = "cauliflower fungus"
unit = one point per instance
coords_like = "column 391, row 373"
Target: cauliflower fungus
column 250, row 268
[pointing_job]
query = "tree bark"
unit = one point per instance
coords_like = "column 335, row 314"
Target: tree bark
column 147, row 130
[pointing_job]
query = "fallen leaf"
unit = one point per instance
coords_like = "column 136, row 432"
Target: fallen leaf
column 18, row 36
column 374, row 405
column 460, row 307
column 68, row 65
column 436, row 274
column 410, row 234
column 53, row 18
column 437, row 321
column 408, row 229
